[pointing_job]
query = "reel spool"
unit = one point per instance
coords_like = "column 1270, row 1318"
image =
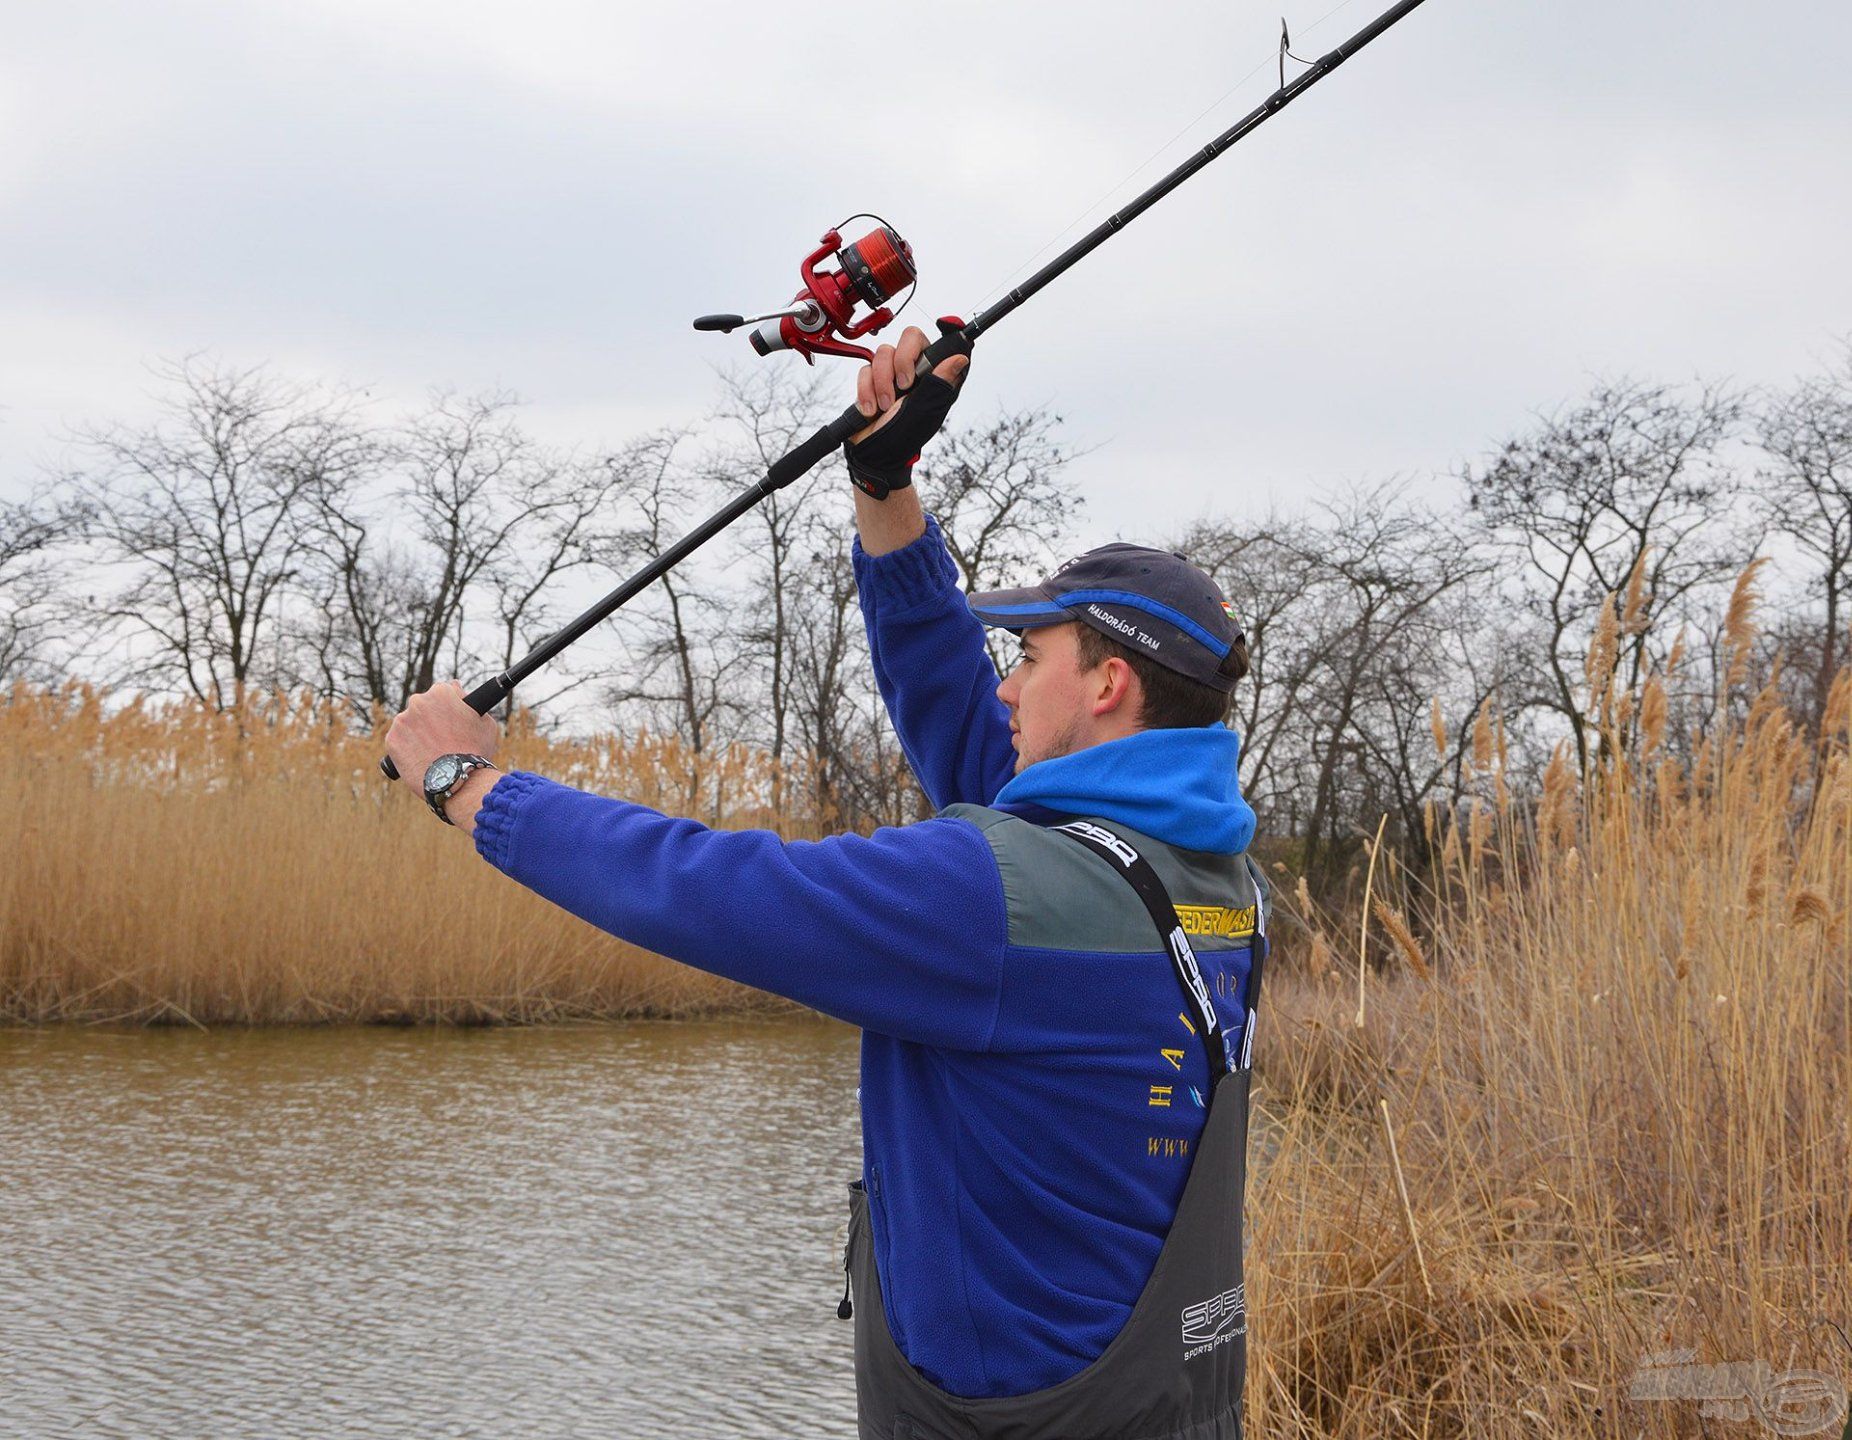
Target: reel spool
column 821, row 319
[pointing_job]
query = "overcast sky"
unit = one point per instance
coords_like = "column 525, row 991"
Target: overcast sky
column 1490, row 206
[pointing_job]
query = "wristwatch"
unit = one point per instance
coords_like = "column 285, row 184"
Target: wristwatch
column 443, row 777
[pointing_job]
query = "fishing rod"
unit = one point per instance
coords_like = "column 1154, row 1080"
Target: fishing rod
column 821, row 320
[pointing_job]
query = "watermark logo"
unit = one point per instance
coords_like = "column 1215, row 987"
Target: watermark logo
column 1785, row 1402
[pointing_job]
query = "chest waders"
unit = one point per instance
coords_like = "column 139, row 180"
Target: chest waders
column 1175, row 1371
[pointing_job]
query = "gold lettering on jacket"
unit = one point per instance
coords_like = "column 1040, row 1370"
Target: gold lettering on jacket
column 1216, row 920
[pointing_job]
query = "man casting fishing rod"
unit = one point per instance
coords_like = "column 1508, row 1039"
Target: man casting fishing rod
column 1046, row 1236
column 1046, row 1241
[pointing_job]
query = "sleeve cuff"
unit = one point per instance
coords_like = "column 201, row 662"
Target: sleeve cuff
column 496, row 819
column 915, row 574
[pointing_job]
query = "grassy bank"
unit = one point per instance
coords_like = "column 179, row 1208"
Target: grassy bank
column 171, row 865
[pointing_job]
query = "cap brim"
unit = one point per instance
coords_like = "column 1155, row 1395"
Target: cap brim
column 1016, row 609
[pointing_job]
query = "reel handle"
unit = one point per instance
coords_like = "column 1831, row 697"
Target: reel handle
column 484, row 698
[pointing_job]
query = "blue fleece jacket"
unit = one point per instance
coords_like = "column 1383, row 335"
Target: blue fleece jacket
column 1018, row 1190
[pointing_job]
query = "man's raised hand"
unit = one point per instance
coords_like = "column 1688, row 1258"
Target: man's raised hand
column 884, row 381
column 881, row 455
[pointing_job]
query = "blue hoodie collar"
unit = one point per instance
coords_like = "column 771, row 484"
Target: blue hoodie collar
column 1178, row 786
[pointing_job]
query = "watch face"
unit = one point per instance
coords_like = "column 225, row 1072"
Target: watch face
column 443, row 773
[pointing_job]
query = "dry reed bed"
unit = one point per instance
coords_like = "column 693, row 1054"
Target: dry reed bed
column 168, row 864
column 1615, row 1073
column 1618, row 1079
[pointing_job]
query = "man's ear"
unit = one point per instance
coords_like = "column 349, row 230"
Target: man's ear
column 1118, row 689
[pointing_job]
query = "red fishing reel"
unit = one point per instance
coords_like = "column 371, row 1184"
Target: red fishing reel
column 821, row 319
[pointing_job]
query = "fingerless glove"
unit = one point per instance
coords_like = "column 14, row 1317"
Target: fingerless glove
column 884, row 461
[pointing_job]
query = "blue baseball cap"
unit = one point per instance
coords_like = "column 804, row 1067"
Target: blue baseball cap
column 1153, row 602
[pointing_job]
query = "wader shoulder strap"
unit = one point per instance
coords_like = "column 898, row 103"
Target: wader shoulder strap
column 1138, row 872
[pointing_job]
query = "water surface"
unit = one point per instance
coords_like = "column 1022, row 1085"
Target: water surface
column 613, row 1231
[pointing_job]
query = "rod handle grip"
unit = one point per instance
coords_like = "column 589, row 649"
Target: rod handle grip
column 484, row 698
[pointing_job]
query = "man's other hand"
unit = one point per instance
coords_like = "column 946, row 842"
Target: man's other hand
column 438, row 722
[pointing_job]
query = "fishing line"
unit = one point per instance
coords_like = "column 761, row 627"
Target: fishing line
column 1182, row 130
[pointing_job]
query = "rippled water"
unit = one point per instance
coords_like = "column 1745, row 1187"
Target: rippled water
column 621, row 1231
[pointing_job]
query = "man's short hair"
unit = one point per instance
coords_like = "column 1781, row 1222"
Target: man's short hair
column 1172, row 701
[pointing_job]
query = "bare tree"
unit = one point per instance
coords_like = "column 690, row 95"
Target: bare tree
column 366, row 592
column 450, row 571
column 474, row 481
column 680, row 638
column 1266, row 573
column 1359, row 618
column 206, row 512
column 1393, row 589
column 830, row 681
column 1632, row 476
column 574, row 523
column 1807, row 495
column 764, row 414
column 1001, row 499
column 35, row 614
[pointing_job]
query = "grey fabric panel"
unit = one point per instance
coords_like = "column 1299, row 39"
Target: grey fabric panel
column 1177, row 1369
column 1062, row 896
